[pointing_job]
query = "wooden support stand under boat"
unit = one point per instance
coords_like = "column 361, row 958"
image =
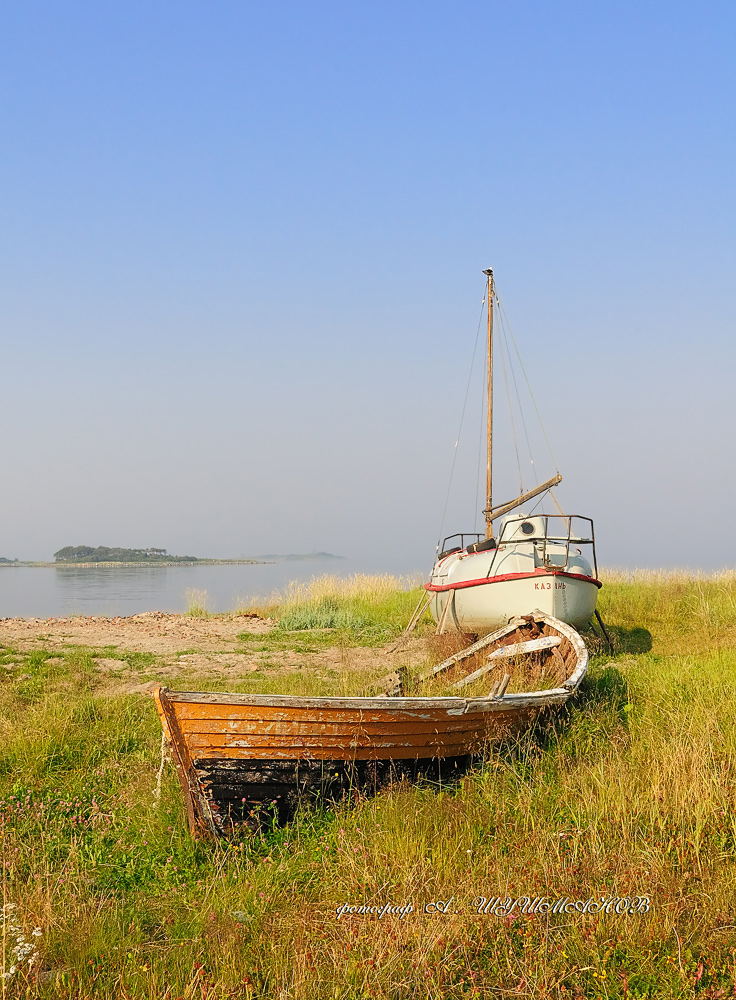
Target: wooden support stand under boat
column 236, row 754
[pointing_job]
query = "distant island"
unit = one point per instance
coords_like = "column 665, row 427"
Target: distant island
column 296, row 557
column 88, row 557
column 103, row 554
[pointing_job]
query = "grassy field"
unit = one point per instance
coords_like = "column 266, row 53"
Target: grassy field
column 630, row 794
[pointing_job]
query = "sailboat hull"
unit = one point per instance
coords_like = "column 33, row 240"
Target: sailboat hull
column 530, row 565
column 489, row 603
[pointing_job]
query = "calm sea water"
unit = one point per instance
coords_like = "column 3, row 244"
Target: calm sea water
column 34, row 592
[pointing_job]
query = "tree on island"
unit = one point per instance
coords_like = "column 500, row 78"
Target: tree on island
column 85, row 553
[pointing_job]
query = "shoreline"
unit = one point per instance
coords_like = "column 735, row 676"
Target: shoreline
column 135, row 565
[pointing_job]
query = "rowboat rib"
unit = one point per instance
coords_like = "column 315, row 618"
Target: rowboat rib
column 531, row 646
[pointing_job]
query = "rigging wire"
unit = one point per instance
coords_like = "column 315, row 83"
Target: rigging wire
column 518, row 399
column 563, row 516
column 511, row 409
column 479, row 504
column 460, row 428
column 540, row 500
column 526, row 379
column 505, row 350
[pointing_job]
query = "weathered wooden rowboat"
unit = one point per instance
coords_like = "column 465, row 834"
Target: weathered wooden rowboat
column 238, row 753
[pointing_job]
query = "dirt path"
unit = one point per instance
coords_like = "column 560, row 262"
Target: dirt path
column 186, row 648
column 153, row 632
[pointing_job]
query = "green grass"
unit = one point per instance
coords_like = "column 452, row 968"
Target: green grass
column 631, row 792
column 332, row 611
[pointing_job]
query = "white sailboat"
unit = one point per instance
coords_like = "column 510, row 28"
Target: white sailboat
column 537, row 561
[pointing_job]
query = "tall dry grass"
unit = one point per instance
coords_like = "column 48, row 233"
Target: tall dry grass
column 362, row 608
column 196, row 602
column 693, row 611
column 330, row 587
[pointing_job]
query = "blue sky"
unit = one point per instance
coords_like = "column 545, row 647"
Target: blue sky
column 240, row 281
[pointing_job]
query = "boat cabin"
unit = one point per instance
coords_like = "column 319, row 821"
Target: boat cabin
column 552, row 541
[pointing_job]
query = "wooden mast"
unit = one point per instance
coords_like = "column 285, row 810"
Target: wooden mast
column 489, row 408
column 490, row 513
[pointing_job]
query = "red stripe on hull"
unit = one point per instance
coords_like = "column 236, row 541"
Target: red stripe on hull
column 461, row 584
